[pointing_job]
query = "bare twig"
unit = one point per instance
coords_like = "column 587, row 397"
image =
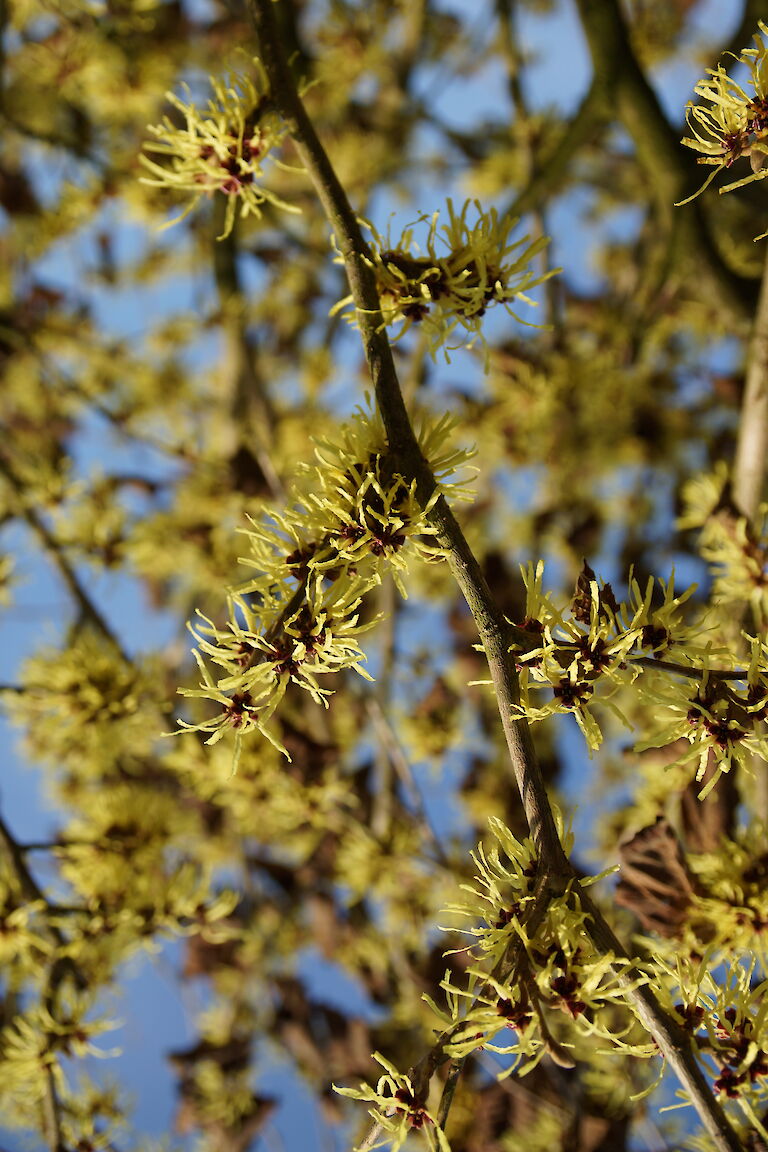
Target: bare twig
column 86, row 607
column 389, row 754
column 52, row 1113
column 449, row 1090
column 674, row 1042
column 251, row 407
column 15, row 853
column 390, row 746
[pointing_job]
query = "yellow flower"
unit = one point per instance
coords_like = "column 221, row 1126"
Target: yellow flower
column 733, row 122
column 222, row 150
column 299, row 617
column 467, row 267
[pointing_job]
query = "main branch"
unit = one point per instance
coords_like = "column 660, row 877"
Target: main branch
column 495, row 633
column 401, row 439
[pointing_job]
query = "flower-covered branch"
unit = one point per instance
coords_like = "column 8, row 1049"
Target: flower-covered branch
column 493, row 630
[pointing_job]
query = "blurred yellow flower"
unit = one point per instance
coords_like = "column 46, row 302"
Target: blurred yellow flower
column 220, row 150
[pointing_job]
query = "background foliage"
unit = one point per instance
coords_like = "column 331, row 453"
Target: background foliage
column 160, row 388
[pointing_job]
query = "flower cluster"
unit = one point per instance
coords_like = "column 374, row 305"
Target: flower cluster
column 598, row 646
column 298, row 618
column 593, row 643
column 466, row 266
column 76, row 698
column 317, row 638
column 727, row 1016
column 534, row 980
column 733, row 123
column 735, row 547
column 719, row 718
column 535, row 985
column 222, row 149
column 730, row 906
column 397, row 1107
column 32, row 1045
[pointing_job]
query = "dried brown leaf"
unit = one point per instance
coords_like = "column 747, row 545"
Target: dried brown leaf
column 656, row 883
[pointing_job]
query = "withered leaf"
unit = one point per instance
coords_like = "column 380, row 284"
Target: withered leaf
column 656, row 883
column 581, row 603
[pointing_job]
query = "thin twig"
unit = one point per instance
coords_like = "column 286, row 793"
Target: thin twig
column 32, row 892
column 88, row 610
column 52, row 1113
column 688, row 671
column 14, row 851
column 389, row 754
column 404, row 448
column 504, row 972
column 371, row 1138
column 393, row 751
column 449, row 1090
column 674, row 1042
column 748, row 478
column 251, row 407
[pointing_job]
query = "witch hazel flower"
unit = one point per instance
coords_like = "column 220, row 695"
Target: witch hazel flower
column 221, row 149
column 465, row 266
column 732, row 121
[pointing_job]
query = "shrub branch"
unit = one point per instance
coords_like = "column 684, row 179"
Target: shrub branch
column 495, row 633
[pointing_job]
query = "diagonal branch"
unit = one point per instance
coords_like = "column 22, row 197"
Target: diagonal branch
column 251, row 406
column 670, row 172
column 556, row 870
column 403, row 445
column 86, row 607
